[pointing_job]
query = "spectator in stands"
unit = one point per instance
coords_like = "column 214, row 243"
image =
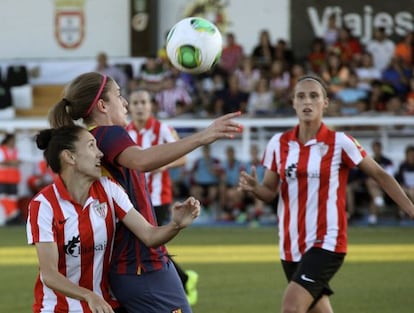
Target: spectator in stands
column 205, row 179
column 405, row 173
column 172, row 96
column 42, row 176
column 347, row 46
column 151, row 75
column 375, row 192
column 404, row 49
column 118, row 75
column 335, row 73
column 248, row 74
column 381, row 47
column 279, row 78
column 9, row 180
column 231, row 55
column 378, row 97
column 231, row 99
column 332, row 31
column 258, row 206
column 366, row 71
column 351, row 99
column 397, row 75
column 261, row 100
column 316, row 58
column 283, row 53
column 231, row 199
column 263, row 51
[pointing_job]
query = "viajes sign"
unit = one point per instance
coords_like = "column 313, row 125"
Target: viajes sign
column 309, row 19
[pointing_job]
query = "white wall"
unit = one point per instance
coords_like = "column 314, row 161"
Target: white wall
column 28, row 26
column 28, row 29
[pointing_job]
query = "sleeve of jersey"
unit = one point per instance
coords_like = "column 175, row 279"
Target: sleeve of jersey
column 353, row 152
column 112, row 140
column 269, row 156
column 121, row 201
column 39, row 226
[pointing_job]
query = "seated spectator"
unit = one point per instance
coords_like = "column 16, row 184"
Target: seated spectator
column 335, row 73
column 283, row 53
column 261, row 101
column 258, row 206
column 317, row 55
column 171, row 96
column 405, row 173
column 42, row 176
column 381, row 47
column 151, row 75
column 351, row 98
column 366, row 71
column 231, row 55
column 279, row 77
column 204, row 179
column 377, row 201
column 347, row 46
column 332, row 31
column 263, row 51
column 247, row 74
column 231, row 99
column 231, row 199
column 116, row 73
column 397, row 75
column 404, row 49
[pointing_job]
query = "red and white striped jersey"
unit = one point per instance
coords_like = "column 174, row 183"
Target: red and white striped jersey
column 154, row 133
column 84, row 238
column 312, row 190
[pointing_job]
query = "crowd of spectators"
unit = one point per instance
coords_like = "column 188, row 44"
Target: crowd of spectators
column 375, row 77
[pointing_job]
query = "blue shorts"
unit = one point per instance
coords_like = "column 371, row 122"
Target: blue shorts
column 152, row 292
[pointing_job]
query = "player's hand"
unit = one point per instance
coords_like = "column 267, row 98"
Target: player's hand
column 184, row 213
column 248, row 182
column 97, row 304
column 222, row 127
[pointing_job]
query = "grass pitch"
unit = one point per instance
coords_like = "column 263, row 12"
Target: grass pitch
column 240, row 271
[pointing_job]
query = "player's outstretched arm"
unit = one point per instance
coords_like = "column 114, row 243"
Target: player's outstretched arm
column 157, row 156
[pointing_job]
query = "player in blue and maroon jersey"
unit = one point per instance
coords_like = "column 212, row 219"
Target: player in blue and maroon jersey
column 142, row 279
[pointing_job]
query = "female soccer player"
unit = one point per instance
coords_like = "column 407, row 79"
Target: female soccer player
column 147, row 131
column 142, row 278
column 308, row 167
column 72, row 224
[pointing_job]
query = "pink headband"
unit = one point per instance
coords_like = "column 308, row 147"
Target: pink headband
column 97, row 97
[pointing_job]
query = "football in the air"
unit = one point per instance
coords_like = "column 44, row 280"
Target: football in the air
column 194, row 45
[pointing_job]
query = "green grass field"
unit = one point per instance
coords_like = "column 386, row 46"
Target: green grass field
column 240, row 271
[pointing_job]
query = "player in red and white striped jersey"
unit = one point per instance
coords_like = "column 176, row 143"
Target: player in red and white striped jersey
column 147, row 131
column 72, row 224
column 308, row 167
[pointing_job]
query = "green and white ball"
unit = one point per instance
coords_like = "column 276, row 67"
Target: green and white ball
column 194, row 45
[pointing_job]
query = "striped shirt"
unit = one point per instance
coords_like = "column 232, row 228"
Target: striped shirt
column 155, row 133
column 130, row 255
column 312, row 192
column 84, row 236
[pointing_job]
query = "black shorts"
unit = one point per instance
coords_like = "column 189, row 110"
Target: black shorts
column 314, row 271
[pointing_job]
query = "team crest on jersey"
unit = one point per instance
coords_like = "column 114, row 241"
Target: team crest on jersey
column 177, row 311
column 100, row 208
column 323, row 148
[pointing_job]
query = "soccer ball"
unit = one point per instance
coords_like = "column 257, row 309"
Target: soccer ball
column 194, row 45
